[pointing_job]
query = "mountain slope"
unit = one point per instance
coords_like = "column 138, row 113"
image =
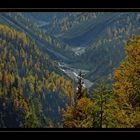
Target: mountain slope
column 57, row 23
column 28, row 81
column 39, row 68
column 96, row 41
column 48, row 43
column 102, row 43
column 91, row 42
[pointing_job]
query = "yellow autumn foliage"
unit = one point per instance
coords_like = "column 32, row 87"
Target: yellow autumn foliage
column 127, row 86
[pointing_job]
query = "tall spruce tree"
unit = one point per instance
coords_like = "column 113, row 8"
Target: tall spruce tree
column 80, row 93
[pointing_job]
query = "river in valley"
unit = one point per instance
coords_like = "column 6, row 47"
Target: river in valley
column 74, row 72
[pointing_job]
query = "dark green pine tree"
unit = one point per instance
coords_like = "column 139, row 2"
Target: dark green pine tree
column 80, row 93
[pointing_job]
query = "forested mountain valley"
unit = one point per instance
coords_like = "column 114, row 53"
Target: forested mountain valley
column 69, row 69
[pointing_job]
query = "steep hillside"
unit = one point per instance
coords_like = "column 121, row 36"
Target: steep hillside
column 95, row 38
column 57, row 23
column 101, row 42
column 30, row 90
column 108, row 49
column 54, row 47
column 41, row 56
column 86, row 41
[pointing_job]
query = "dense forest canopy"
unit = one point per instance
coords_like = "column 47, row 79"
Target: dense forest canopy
column 69, row 70
column 26, row 82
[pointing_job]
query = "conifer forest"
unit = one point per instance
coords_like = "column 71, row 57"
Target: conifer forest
column 69, row 70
